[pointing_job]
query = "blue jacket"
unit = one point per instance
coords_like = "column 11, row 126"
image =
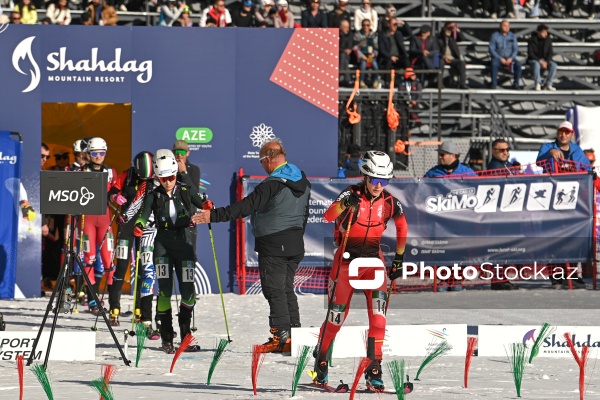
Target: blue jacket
column 496, row 164
column 438, row 171
column 575, row 154
column 504, row 46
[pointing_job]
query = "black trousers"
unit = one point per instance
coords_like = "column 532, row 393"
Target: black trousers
column 277, row 281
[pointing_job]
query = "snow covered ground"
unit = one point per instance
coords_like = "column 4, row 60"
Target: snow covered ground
column 490, row 378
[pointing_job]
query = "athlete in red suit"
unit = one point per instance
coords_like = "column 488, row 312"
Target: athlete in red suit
column 95, row 227
column 371, row 207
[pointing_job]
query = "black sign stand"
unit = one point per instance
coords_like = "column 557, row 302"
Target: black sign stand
column 63, row 298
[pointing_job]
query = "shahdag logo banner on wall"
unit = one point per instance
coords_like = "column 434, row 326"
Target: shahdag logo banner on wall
column 498, row 220
column 225, row 91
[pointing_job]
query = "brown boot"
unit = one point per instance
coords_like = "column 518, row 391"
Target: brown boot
column 281, row 342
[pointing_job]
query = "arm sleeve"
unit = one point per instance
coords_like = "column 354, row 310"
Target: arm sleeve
column 544, row 152
column 401, row 231
column 255, row 201
column 119, row 183
column 531, row 51
column 515, row 47
column 493, row 50
column 146, row 209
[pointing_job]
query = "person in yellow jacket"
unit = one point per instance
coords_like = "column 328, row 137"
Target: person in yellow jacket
column 28, row 12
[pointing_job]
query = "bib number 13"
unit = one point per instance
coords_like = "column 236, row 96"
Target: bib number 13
column 162, row 271
column 187, row 272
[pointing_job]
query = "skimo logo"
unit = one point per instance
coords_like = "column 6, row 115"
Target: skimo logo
column 59, row 62
column 22, row 52
column 456, row 200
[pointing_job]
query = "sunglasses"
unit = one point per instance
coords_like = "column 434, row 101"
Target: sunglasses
column 167, row 179
column 506, row 149
column 45, row 156
column 378, row 181
column 97, row 153
column 260, row 160
column 62, row 157
column 565, row 131
column 180, row 152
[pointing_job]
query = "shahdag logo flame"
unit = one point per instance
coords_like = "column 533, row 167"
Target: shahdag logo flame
column 22, row 52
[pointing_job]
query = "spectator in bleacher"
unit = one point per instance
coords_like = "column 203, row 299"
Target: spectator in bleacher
column 45, row 21
column 27, row 11
column 448, row 163
column 504, row 49
column 284, row 18
column 102, row 13
column 346, row 47
column 409, row 91
column 392, row 54
column 264, row 15
column 365, row 12
column 366, row 48
column 15, row 18
column 539, row 52
column 185, row 20
column 562, row 148
column 218, row 12
column 508, row 4
column 170, row 12
column 425, row 54
column 85, row 19
column 314, row 17
column 59, row 13
column 569, row 6
column 500, row 154
column 242, row 14
column 450, row 52
column 339, row 14
column 61, row 159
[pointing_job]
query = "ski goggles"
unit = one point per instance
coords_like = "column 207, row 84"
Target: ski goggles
column 167, row 179
column 180, row 152
column 97, row 153
column 378, row 181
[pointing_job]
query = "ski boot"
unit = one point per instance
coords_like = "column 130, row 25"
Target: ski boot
column 281, row 342
column 93, row 307
column 114, row 317
column 185, row 317
column 374, row 378
column 321, row 376
column 166, row 331
column 151, row 334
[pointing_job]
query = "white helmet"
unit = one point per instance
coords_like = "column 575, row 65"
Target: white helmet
column 79, row 146
column 377, row 164
column 165, row 166
column 96, row 143
column 162, row 153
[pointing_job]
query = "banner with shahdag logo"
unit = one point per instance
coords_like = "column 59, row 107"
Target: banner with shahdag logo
column 546, row 219
column 494, row 339
column 10, row 214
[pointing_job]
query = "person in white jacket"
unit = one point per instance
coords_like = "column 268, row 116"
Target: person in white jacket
column 59, row 13
column 365, row 12
column 217, row 13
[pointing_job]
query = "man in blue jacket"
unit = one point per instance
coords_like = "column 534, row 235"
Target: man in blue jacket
column 448, row 163
column 279, row 210
column 562, row 149
column 504, row 49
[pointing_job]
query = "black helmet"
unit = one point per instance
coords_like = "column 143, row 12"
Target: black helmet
column 143, row 165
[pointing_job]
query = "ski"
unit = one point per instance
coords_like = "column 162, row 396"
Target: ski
column 408, row 388
column 126, row 314
column 342, row 387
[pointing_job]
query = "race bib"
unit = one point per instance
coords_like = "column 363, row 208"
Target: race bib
column 187, row 271
column 121, row 251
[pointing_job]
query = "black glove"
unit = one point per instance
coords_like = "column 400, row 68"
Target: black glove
column 396, row 270
column 352, row 200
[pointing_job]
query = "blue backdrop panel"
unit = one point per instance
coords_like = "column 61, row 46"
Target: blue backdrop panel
column 10, row 214
column 173, row 78
column 524, row 219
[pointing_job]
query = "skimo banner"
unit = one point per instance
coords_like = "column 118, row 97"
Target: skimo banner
column 11, row 195
column 517, row 219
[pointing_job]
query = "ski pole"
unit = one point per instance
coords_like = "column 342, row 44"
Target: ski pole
column 112, row 263
column 337, row 274
column 212, row 244
column 117, row 213
column 135, row 288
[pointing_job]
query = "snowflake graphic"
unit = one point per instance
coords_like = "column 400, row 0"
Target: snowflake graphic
column 261, row 134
